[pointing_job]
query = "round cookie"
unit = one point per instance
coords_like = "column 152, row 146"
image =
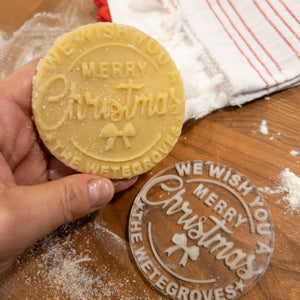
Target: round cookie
column 108, row 100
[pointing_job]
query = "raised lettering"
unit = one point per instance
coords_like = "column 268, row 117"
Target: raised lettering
column 141, row 254
column 183, row 169
column 136, row 237
column 200, row 192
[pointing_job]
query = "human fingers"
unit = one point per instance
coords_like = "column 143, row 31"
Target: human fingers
column 30, row 212
column 56, row 170
column 17, row 87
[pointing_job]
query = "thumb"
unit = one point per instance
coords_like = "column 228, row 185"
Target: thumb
column 34, row 211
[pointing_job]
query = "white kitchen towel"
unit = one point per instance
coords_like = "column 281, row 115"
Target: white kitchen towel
column 229, row 52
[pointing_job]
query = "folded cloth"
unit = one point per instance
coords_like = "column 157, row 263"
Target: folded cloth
column 228, row 52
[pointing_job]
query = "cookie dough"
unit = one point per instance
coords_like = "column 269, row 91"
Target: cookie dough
column 108, row 100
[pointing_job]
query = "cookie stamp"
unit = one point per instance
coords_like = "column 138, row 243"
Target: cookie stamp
column 108, row 100
column 200, row 230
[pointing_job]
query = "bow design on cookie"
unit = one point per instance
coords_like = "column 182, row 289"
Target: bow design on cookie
column 111, row 132
column 180, row 241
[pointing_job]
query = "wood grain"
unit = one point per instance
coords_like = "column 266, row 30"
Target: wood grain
column 230, row 136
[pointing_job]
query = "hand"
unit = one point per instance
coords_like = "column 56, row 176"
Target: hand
column 32, row 204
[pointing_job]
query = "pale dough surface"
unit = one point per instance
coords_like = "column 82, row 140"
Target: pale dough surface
column 108, row 100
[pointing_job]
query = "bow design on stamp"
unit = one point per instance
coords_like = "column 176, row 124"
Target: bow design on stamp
column 111, row 132
column 180, row 241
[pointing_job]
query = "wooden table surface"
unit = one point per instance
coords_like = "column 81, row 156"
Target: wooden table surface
column 230, row 136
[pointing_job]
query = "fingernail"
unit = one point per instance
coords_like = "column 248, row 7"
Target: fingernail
column 101, row 192
column 123, row 184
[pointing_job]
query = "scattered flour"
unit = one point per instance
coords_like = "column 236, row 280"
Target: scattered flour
column 64, row 264
column 73, row 280
column 36, row 36
column 290, row 185
column 264, row 128
column 295, row 153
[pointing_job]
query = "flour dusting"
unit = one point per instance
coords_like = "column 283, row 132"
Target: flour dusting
column 66, row 265
column 294, row 153
column 36, row 36
column 290, row 186
column 264, row 128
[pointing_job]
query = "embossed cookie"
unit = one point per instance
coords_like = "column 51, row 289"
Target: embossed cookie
column 108, row 100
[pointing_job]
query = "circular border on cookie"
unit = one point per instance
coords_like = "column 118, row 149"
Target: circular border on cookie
column 108, row 100
column 201, row 230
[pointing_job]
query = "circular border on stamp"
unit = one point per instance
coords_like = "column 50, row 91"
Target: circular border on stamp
column 200, row 230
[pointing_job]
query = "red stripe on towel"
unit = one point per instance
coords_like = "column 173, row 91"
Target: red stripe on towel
column 289, row 11
column 283, row 20
column 236, row 44
column 246, row 42
column 276, row 29
column 255, row 38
